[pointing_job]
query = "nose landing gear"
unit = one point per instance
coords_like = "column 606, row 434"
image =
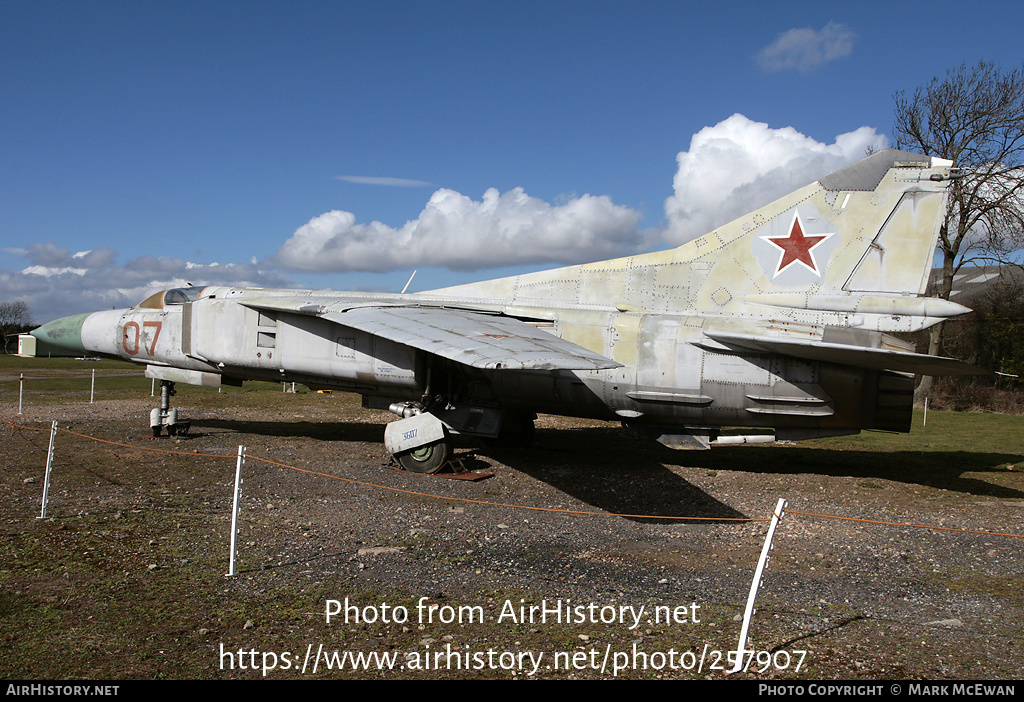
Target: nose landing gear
column 165, row 415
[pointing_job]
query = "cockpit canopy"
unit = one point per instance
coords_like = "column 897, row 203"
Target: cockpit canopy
column 174, row 296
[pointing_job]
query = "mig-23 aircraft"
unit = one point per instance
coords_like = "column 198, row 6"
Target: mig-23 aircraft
column 775, row 320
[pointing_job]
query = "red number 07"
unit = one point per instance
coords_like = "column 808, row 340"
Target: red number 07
column 131, row 345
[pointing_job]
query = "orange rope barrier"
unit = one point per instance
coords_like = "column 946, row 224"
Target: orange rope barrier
column 526, row 507
column 503, row 504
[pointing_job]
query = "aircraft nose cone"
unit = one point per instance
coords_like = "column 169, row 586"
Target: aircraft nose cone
column 65, row 332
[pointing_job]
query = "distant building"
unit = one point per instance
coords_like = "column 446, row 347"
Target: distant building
column 30, row 346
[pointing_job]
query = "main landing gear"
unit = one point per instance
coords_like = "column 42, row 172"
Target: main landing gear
column 426, row 459
column 421, row 441
column 165, row 415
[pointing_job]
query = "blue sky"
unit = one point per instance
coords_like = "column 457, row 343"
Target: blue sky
column 342, row 145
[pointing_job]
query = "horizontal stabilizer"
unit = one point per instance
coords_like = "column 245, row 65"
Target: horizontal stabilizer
column 844, row 354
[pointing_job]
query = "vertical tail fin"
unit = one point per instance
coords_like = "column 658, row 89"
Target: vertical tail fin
column 854, row 248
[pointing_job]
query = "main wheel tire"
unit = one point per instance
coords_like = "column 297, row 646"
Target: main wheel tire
column 426, row 459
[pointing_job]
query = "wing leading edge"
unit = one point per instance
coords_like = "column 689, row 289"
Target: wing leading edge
column 477, row 339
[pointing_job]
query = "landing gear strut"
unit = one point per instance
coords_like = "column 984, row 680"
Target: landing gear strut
column 165, row 415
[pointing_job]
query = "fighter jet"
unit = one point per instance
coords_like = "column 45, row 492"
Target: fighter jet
column 779, row 319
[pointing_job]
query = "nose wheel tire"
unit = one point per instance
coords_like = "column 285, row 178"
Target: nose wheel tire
column 426, row 459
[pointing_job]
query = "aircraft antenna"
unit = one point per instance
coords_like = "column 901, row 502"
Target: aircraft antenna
column 409, row 281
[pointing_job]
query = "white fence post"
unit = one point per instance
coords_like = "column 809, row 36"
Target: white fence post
column 756, row 584
column 49, row 463
column 234, row 509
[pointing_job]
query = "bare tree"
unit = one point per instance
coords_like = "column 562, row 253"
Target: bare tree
column 14, row 318
column 975, row 118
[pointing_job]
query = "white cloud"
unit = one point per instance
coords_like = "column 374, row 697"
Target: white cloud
column 385, row 181
column 739, row 165
column 59, row 283
column 457, row 232
column 51, row 256
column 730, row 169
column 805, row 49
column 50, row 271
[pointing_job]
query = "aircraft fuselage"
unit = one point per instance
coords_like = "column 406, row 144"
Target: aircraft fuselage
column 667, row 378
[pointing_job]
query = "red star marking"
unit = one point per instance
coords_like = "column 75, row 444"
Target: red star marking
column 797, row 248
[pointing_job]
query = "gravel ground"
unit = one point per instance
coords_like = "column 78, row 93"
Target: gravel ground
column 126, row 579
